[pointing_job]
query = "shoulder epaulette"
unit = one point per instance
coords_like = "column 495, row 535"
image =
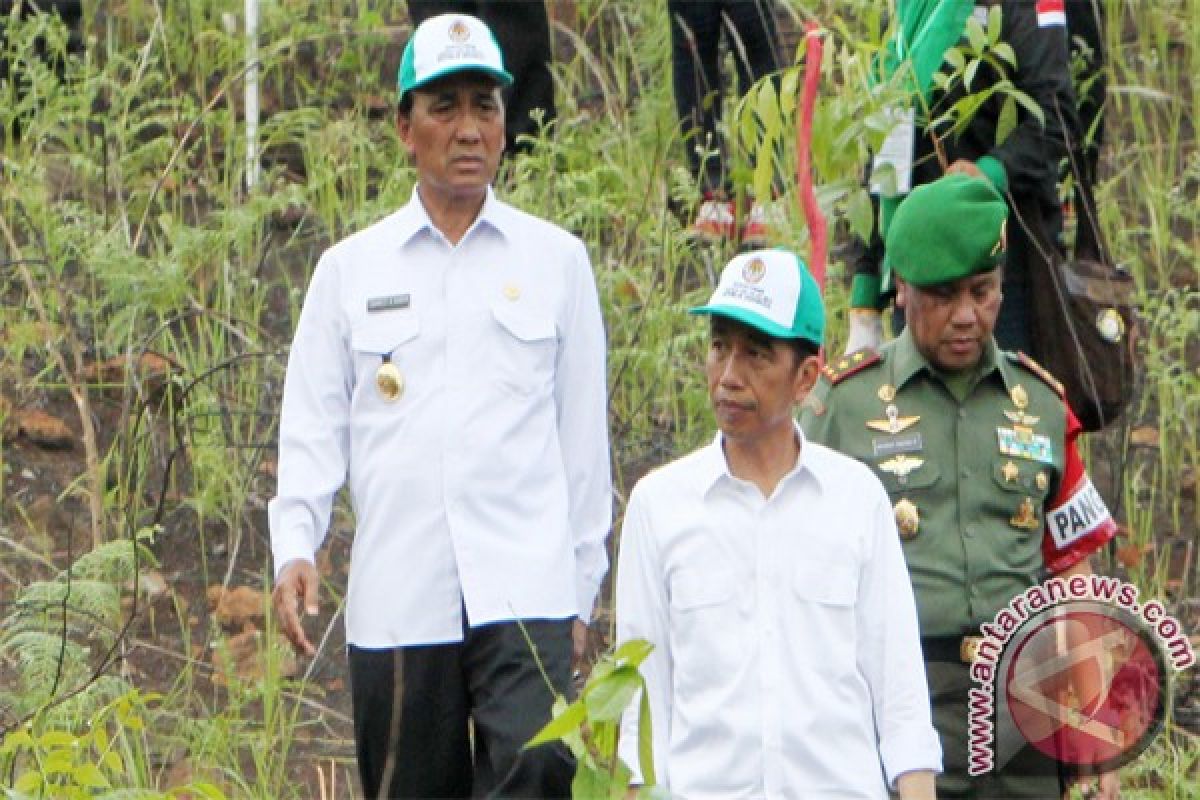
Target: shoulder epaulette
column 1037, row 369
column 837, row 371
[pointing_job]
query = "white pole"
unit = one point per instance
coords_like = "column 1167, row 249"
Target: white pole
column 251, row 93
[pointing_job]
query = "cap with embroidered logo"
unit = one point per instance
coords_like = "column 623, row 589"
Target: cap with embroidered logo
column 771, row 291
column 446, row 44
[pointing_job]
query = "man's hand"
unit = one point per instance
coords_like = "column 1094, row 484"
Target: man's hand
column 866, row 329
column 1106, row 787
column 297, row 583
column 579, row 642
column 965, row 167
column 919, row 784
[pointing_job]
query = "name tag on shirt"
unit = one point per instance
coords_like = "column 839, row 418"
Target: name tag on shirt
column 393, row 302
column 892, row 445
column 891, row 171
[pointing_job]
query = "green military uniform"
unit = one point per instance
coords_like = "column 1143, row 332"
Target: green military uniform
column 972, row 457
column 970, row 514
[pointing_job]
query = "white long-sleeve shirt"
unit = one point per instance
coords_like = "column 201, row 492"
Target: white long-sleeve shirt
column 487, row 483
column 787, row 661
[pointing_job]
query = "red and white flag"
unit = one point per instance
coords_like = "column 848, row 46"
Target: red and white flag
column 1051, row 13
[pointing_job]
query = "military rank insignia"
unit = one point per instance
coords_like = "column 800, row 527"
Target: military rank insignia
column 1026, row 517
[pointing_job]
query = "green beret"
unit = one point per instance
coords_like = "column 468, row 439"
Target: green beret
column 946, row 230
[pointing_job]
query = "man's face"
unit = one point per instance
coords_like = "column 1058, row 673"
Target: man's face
column 455, row 135
column 952, row 322
column 754, row 381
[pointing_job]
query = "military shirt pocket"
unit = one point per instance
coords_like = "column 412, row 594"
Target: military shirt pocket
column 1025, row 477
column 373, row 339
column 527, row 346
column 827, row 584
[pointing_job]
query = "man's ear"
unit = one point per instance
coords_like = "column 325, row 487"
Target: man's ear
column 806, row 378
column 901, row 291
column 403, row 127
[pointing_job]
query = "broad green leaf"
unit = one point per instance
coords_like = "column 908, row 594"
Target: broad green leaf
column 789, row 91
column 956, row 59
column 995, row 25
column 90, row 776
column 590, row 782
column 608, row 700
column 15, row 740
column 633, row 652
column 571, row 718
column 111, row 760
column 60, row 761
column 51, row 739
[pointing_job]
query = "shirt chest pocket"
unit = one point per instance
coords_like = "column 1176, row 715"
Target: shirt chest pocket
column 375, row 340
column 526, row 347
column 826, row 584
column 707, row 628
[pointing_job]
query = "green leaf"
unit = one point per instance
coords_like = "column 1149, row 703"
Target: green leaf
column 956, row 58
column 995, row 25
column 1007, row 120
column 111, row 760
column 90, row 776
column 975, row 36
column 15, row 740
column 1005, row 53
column 646, row 740
column 569, row 720
column 789, row 89
column 633, row 652
column 60, row 761
column 969, row 73
column 859, row 212
column 29, row 783
column 590, row 782
column 608, row 699
column 55, row 739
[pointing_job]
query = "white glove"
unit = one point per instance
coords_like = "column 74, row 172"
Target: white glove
column 866, row 329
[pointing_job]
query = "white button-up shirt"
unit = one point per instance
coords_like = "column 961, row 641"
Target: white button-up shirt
column 487, row 483
column 787, row 661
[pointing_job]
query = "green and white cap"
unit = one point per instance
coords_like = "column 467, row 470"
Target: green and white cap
column 771, row 291
column 446, row 44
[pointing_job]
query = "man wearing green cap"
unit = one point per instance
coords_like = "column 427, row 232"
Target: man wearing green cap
column 976, row 448
column 1018, row 154
column 449, row 362
column 766, row 572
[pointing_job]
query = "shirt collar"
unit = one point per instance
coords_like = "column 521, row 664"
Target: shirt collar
column 714, row 469
column 412, row 219
column 908, row 362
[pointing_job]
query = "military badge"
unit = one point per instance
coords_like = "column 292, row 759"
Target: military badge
column 887, row 393
column 1010, row 472
column 901, row 465
column 894, row 423
column 1026, row 517
column 1041, row 481
column 1019, row 442
column 908, row 518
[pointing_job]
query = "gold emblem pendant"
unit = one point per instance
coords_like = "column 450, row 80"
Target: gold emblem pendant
column 389, row 381
column 908, row 518
column 1026, row 517
column 1011, row 472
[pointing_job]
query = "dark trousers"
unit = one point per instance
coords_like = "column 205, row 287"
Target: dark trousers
column 1029, row 775
column 412, row 706
column 523, row 31
column 696, row 27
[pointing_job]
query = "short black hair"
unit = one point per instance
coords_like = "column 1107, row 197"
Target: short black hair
column 406, row 103
column 803, row 348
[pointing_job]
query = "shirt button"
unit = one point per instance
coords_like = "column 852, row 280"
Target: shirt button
column 966, row 473
column 969, row 530
column 962, row 413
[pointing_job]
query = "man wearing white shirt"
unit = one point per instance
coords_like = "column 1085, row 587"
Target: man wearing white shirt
column 766, row 571
column 449, row 363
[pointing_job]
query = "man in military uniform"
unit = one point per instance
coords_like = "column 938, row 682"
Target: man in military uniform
column 976, row 448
